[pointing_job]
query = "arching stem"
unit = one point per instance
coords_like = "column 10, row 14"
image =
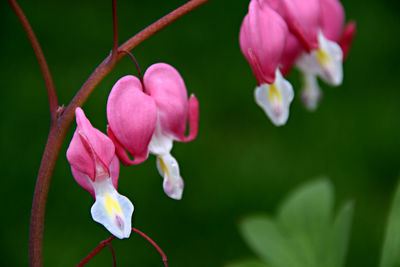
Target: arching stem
column 107, row 242
column 48, row 80
column 60, row 127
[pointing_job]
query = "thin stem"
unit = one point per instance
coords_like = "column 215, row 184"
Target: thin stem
column 48, row 80
column 163, row 256
column 107, row 242
column 114, row 52
column 95, row 251
column 60, row 128
column 113, row 254
column 136, row 64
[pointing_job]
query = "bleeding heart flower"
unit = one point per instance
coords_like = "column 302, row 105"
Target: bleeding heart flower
column 95, row 167
column 319, row 27
column 149, row 117
column 165, row 85
column 262, row 40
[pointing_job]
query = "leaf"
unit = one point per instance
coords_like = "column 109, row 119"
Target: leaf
column 265, row 238
column 248, row 263
column 391, row 245
column 306, row 217
column 341, row 234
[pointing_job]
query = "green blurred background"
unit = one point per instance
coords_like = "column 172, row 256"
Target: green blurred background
column 239, row 164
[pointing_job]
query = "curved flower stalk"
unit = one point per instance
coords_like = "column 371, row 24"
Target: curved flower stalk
column 148, row 117
column 95, row 167
column 61, row 117
column 263, row 36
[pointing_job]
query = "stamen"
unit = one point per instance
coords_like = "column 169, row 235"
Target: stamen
column 112, row 205
column 276, row 99
column 323, row 58
column 164, row 167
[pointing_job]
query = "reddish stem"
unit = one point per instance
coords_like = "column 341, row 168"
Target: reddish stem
column 163, row 256
column 59, row 129
column 113, row 254
column 48, row 80
column 136, row 64
column 107, row 242
column 95, row 251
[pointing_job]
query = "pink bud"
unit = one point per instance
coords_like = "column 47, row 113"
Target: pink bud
column 262, row 40
column 91, row 154
column 302, row 18
column 132, row 117
column 165, row 85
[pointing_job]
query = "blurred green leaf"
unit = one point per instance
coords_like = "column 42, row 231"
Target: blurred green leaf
column 308, row 209
column 341, row 233
column 306, row 215
column 264, row 236
column 248, row 263
column 304, row 233
column 391, row 245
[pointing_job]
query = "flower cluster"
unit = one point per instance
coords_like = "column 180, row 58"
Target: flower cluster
column 309, row 34
column 143, row 116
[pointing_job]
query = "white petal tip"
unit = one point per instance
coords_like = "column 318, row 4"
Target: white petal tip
column 114, row 212
column 173, row 188
column 169, row 170
column 326, row 62
column 275, row 99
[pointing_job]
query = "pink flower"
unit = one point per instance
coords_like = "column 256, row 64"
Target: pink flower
column 318, row 26
column 262, row 40
column 95, row 167
column 326, row 62
column 150, row 117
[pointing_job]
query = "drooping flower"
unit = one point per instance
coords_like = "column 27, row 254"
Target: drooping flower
column 263, row 36
column 165, row 85
column 149, row 117
column 95, row 167
column 319, row 27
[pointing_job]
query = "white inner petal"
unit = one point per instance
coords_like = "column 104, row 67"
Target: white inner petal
column 160, row 143
column 168, row 168
column 275, row 99
column 111, row 209
column 326, row 62
column 311, row 93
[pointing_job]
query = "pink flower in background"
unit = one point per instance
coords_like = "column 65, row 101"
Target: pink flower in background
column 335, row 40
column 302, row 18
column 95, row 167
column 319, row 28
column 263, row 36
column 150, row 117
